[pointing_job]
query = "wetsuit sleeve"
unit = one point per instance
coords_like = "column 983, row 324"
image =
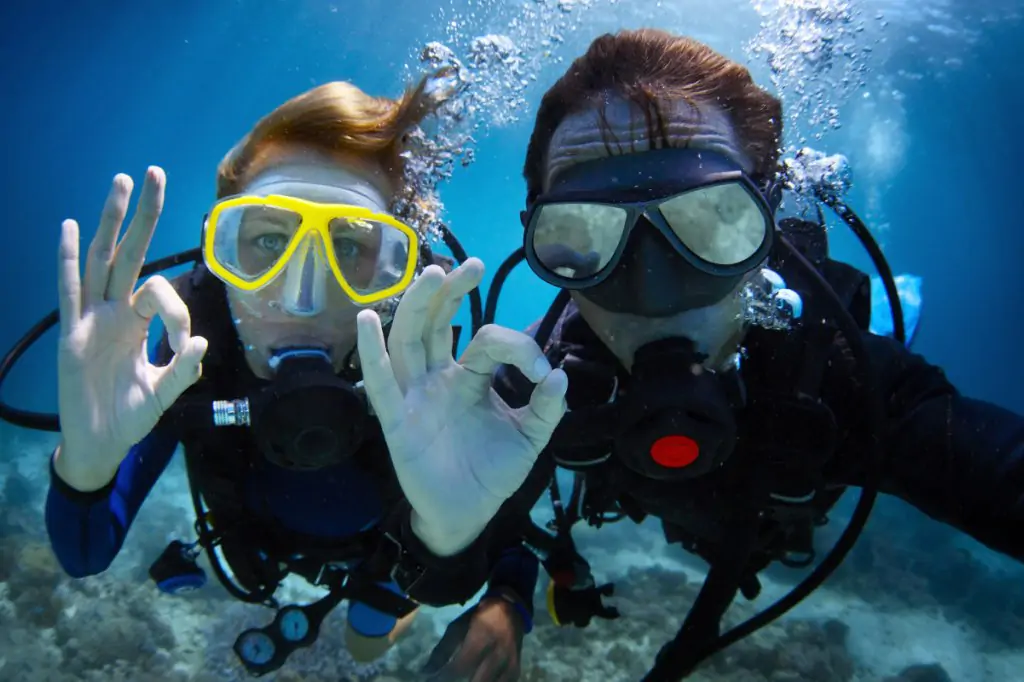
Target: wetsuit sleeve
column 517, row 570
column 87, row 529
column 959, row 460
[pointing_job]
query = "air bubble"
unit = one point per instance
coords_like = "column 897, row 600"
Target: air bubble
column 480, row 84
column 812, row 51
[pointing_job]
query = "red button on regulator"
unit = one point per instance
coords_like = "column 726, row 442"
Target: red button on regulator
column 675, row 452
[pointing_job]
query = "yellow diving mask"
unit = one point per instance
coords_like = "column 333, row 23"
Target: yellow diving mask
column 249, row 241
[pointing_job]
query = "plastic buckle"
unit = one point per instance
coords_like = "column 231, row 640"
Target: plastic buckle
column 405, row 570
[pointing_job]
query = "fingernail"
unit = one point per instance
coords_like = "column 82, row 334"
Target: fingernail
column 541, row 368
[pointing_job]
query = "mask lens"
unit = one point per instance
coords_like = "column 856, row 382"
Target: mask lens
column 722, row 224
column 249, row 240
column 577, row 240
column 372, row 256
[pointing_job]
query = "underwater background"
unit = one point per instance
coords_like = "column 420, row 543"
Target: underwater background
column 924, row 98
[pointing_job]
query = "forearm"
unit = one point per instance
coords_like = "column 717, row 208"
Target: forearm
column 964, row 465
column 959, row 460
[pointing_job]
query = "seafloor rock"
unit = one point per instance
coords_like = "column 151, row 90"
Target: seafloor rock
column 18, row 490
column 922, row 673
column 113, row 628
column 117, row 627
column 653, row 602
column 896, row 573
column 54, row 628
column 112, row 631
column 790, row 651
column 33, row 576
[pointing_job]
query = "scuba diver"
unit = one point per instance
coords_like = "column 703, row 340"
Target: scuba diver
column 722, row 377
column 313, row 446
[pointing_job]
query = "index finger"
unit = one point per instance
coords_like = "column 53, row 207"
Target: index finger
column 494, row 346
column 69, row 278
column 158, row 297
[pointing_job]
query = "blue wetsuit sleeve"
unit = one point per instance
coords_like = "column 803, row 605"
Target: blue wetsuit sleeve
column 517, row 569
column 368, row 621
column 87, row 529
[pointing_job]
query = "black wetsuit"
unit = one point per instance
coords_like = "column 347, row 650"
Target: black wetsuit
column 959, row 460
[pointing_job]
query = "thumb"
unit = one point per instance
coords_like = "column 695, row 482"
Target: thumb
column 547, row 406
column 184, row 370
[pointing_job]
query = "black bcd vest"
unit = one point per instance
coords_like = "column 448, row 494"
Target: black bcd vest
column 787, row 435
column 258, row 551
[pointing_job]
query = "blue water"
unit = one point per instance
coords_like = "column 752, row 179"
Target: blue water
column 90, row 89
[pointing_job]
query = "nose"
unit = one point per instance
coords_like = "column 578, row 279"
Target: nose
column 648, row 256
column 304, row 292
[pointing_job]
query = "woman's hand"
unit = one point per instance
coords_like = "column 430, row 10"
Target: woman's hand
column 459, row 450
column 110, row 396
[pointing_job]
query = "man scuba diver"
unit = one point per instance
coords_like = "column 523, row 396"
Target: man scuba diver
column 721, row 374
column 274, row 355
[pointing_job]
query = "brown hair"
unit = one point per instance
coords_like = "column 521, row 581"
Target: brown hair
column 649, row 67
column 336, row 118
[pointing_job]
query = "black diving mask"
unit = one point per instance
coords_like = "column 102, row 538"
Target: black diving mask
column 306, row 417
column 652, row 233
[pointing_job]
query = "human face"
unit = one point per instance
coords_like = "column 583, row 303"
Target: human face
column 584, row 137
column 264, row 319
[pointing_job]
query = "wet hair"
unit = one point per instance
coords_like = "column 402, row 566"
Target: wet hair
column 650, row 67
column 336, row 119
